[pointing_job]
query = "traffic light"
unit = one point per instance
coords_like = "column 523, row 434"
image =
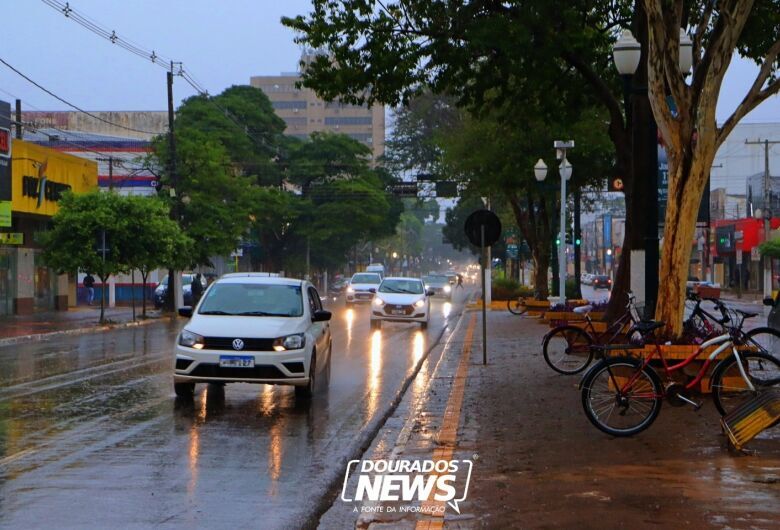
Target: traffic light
column 568, row 238
column 557, row 240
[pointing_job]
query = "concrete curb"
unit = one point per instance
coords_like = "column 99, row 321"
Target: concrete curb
column 365, row 438
column 37, row 337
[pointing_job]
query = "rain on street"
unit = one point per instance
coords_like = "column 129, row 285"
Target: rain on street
column 95, row 417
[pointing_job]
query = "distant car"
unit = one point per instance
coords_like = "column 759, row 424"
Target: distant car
column 161, row 290
column 362, row 286
column 254, row 328
column 378, row 268
column 439, row 284
column 602, row 281
column 400, row 299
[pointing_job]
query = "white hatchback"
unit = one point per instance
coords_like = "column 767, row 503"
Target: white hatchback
column 254, row 328
column 401, row 300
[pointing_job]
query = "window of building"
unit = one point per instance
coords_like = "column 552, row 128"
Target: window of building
column 295, row 121
column 295, row 104
column 362, row 137
column 348, row 120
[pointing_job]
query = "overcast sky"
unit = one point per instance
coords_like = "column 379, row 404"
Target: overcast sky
column 221, row 43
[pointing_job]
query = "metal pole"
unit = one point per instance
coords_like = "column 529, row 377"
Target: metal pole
column 19, row 133
column 562, row 245
column 170, row 301
column 577, row 253
column 484, row 298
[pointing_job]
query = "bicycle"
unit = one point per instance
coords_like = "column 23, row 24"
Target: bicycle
column 569, row 349
column 702, row 325
column 622, row 396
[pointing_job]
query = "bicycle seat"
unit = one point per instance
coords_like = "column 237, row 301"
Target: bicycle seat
column 583, row 309
column 746, row 314
column 647, row 326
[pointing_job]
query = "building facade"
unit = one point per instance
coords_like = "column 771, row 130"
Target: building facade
column 304, row 113
column 39, row 176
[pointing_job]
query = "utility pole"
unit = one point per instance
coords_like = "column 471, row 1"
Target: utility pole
column 172, row 293
column 111, row 173
column 18, row 119
column 767, row 211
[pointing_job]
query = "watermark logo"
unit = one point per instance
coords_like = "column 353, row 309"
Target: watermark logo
column 422, row 481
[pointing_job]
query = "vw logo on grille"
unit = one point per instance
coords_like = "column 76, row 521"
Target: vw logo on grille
column 238, row 344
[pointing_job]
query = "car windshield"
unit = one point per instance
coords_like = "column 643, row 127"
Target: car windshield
column 252, row 299
column 436, row 280
column 401, row 286
column 366, row 278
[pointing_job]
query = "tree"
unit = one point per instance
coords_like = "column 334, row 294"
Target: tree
column 76, row 236
column 689, row 128
column 484, row 55
column 219, row 201
column 151, row 239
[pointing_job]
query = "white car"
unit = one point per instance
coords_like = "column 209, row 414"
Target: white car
column 401, row 300
column 254, row 328
column 362, row 286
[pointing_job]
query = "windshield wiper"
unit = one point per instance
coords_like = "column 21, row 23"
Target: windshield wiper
column 262, row 314
column 216, row 313
column 390, row 290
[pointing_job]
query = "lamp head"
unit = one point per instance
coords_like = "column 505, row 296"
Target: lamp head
column 686, row 52
column 626, row 53
column 565, row 169
column 540, row 170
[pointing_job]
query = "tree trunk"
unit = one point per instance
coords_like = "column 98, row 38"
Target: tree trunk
column 103, row 280
column 132, row 292
column 144, row 276
column 686, row 185
column 540, row 255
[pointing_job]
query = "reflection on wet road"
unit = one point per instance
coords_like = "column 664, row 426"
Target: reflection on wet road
column 91, row 435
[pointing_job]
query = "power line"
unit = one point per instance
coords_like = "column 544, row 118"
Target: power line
column 68, row 103
column 159, row 60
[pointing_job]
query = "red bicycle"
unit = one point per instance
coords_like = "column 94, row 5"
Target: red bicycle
column 622, row 396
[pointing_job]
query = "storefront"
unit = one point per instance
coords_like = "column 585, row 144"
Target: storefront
column 39, row 177
column 737, row 261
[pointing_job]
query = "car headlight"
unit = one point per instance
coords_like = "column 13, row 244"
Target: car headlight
column 191, row 340
column 290, row 342
column 350, row 289
column 419, row 303
column 378, row 302
column 447, row 288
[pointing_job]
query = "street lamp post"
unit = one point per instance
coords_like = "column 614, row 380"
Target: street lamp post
column 627, row 54
column 540, row 172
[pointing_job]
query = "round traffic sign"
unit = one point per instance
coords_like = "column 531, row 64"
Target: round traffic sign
column 491, row 224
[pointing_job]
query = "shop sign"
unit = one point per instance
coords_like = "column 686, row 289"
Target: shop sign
column 5, row 143
column 755, row 254
column 5, row 214
column 11, row 238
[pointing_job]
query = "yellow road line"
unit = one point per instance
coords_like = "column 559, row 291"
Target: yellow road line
column 448, row 433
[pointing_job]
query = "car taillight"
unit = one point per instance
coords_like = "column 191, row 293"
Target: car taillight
column 609, row 281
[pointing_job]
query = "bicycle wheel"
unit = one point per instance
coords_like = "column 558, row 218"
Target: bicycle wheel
column 515, row 307
column 567, row 349
column 621, row 413
column 729, row 388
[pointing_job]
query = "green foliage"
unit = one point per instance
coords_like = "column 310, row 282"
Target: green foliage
column 76, row 233
column 152, row 239
column 770, row 248
column 508, row 289
column 455, row 218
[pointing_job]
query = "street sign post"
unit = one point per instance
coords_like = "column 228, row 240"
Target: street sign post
column 483, row 229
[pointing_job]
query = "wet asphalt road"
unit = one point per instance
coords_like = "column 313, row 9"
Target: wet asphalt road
column 92, row 436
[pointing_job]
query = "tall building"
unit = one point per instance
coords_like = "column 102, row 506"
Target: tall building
column 305, row 113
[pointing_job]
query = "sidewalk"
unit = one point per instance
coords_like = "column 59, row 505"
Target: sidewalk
column 80, row 319
column 538, row 462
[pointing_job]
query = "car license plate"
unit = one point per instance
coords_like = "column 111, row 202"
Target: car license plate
column 398, row 311
column 236, row 361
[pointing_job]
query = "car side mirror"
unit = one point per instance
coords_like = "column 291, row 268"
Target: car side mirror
column 430, row 292
column 372, row 290
column 185, row 311
column 769, row 301
column 321, row 316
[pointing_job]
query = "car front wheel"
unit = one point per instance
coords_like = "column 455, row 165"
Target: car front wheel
column 184, row 390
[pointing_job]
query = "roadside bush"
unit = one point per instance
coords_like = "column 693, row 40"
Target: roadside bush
column 506, row 289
